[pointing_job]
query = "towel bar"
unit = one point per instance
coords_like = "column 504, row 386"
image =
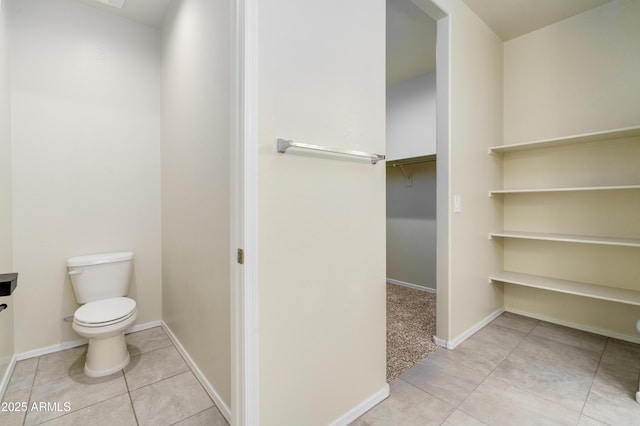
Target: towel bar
column 284, row 144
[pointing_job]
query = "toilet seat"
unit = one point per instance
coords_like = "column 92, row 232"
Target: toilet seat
column 105, row 312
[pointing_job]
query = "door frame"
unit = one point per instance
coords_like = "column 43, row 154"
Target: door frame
column 244, row 214
column 443, row 196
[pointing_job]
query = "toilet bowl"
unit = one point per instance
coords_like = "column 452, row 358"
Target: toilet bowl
column 100, row 283
column 103, row 323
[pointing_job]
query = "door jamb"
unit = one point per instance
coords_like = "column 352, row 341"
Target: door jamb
column 244, row 215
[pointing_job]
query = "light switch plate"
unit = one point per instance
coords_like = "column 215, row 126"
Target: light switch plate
column 457, row 203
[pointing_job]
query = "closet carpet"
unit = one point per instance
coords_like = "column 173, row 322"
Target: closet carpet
column 411, row 325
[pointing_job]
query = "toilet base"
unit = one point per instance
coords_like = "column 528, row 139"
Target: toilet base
column 106, row 356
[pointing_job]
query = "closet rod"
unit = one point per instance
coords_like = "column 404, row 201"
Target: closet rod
column 284, row 144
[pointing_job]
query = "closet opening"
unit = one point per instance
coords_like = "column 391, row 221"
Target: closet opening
column 411, row 185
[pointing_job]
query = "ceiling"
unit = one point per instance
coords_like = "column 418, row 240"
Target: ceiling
column 411, row 33
column 507, row 18
column 148, row 12
column 513, row 18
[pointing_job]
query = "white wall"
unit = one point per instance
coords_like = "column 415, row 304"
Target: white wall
column 411, row 224
column 195, row 184
column 475, row 123
column 411, row 117
column 86, row 157
column 577, row 76
column 321, row 216
column 6, row 317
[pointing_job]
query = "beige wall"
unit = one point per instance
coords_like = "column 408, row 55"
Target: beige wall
column 86, row 157
column 475, row 108
column 195, row 184
column 575, row 76
column 321, row 216
column 6, row 264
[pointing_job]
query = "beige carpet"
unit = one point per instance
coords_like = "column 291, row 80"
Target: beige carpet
column 411, row 324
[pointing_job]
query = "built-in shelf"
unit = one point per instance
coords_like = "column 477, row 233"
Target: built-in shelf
column 619, row 295
column 593, row 291
column 569, row 140
column 570, row 189
column 411, row 160
column 567, row 238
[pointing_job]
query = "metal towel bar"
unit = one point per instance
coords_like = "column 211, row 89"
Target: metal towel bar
column 284, row 144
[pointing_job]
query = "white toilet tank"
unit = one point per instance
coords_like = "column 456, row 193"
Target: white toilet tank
column 100, row 276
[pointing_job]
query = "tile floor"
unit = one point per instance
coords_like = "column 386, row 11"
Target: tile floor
column 518, row 371
column 514, row 371
column 157, row 388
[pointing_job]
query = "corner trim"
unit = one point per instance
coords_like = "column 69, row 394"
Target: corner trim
column 413, row 286
column 363, row 407
column 224, row 409
column 7, row 376
column 452, row 344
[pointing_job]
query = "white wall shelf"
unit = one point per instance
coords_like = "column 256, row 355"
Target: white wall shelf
column 569, row 189
column 626, row 132
column 568, row 238
column 593, row 291
column 601, row 292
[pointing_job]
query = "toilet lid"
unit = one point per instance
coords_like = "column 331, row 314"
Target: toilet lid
column 105, row 311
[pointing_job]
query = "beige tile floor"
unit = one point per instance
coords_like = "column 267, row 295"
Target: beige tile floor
column 515, row 371
column 157, row 388
column 518, row 371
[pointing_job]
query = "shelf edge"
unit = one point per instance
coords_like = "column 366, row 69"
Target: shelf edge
column 615, row 295
column 625, row 132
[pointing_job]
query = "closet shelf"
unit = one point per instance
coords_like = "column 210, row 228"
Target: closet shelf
column 567, row 238
column 626, row 132
column 593, row 291
column 411, row 160
column 570, row 189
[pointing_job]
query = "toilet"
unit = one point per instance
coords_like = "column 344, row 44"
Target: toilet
column 100, row 283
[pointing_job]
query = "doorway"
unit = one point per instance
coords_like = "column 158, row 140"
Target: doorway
column 411, row 106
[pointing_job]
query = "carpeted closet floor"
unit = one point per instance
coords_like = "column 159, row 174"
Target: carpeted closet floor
column 411, row 325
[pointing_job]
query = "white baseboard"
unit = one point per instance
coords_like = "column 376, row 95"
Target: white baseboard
column 79, row 342
column 452, row 344
column 440, row 342
column 7, row 376
column 410, row 285
column 363, row 407
column 51, row 349
column 224, row 409
column 145, row 326
column 589, row 329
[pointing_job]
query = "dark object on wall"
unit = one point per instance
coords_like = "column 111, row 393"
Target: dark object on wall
column 8, row 283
